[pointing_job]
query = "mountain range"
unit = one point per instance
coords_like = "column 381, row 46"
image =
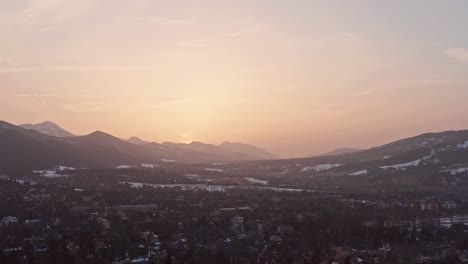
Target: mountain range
column 340, row 151
column 49, row 128
column 46, row 145
column 429, row 159
column 443, row 153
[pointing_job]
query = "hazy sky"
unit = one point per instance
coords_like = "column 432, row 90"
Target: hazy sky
column 297, row 77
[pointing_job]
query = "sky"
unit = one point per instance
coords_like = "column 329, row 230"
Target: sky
column 297, row 77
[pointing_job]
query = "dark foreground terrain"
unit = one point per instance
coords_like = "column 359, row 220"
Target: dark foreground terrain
column 404, row 202
column 153, row 215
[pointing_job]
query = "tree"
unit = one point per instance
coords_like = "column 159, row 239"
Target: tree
column 347, row 260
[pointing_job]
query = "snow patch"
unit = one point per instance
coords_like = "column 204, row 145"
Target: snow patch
column 214, row 169
column 193, row 176
column 63, row 168
column 463, row 145
column 361, row 172
column 49, row 173
column 211, row 188
column 121, row 167
column 456, row 171
column 320, row 167
column 151, row 166
column 253, row 180
column 403, row 165
column 168, row 160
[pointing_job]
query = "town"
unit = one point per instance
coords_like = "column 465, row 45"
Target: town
column 97, row 216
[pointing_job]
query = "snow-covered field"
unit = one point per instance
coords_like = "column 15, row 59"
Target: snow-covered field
column 121, row 167
column 55, row 172
column 211, row 188
column 50, row 174
column 214, row 169
column 403, row 166
column 357, row 173
column 151, row 166
column 456, row 171
column 320, row 167
column 63, row 168
column 5, row 177
column 463, row 145
column 253, row 180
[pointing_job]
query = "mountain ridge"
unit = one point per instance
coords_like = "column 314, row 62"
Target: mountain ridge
column 339, row 151
column 26, row 148
column 23, row 149
column 49, row 128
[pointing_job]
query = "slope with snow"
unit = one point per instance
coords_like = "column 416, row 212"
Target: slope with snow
column 403, row 165
column 49, row 128
column 320, row 167
column 357, row 173
column 212, row 188
column 257, row 181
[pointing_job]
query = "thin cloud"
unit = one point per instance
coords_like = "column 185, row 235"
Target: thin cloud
column 366, row 92
column 458, row 54
column 167, row 103
column 72, row 68
column 5, row 62
column 204, row 41
column 425, row 79
column 46, row 15
column 85, row 107
column 44, row 95
column 40, row 95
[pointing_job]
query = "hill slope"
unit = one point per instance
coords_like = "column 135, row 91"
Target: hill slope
column 22, row 150
column 339, row 152
column 49, row 128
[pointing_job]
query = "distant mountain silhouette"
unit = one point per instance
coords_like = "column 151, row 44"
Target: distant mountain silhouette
column 49, row 128
column 137, row 140
column 22, row 150
column 223, row 152
column 417, row 158
column 250, row 150
column 339, row 152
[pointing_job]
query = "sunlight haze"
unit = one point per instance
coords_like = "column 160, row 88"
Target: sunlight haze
column 297, row 78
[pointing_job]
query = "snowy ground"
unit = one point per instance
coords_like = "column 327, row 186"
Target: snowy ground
column 403, row 166
column 214, row 169
column 253, row 180
column 211, row 188
column 55, row 173
column 320, row 167
column 357, row 173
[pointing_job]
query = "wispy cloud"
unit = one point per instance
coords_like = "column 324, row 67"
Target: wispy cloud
column 5, row 62
column 45, row 15
column 458, row 54
column 85, row 107
column 427, row 78
column 167, row 103
column 366, row 92
column 52, row 95
column 40, row 95
column 204, row 41
column 14, row 68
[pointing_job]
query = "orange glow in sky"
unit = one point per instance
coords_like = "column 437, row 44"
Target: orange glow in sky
column 295, row 77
